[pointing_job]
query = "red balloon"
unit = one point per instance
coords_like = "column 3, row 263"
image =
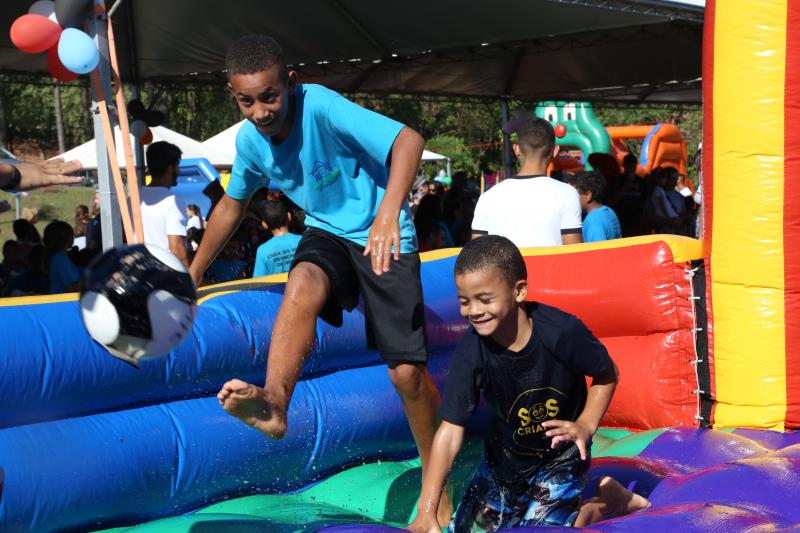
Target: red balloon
column 56, row 68
column 561, row 130
column 33, row 33
column 147, row 138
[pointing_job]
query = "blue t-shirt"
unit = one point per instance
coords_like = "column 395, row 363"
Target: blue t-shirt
column 275, row 255
column 334, row 164
column 601, row 224
column 63, row 273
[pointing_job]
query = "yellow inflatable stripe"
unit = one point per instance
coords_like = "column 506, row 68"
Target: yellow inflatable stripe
column 683, row 248
column 37, row 300
column 747, row 254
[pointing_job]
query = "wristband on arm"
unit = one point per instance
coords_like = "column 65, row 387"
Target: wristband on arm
column 14, row 182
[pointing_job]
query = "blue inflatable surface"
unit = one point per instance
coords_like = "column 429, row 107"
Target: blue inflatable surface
column 90, row 442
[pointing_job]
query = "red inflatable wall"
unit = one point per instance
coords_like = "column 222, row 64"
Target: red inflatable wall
column 636, row 295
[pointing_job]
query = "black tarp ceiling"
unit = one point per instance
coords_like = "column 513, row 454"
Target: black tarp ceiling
column 621, row 50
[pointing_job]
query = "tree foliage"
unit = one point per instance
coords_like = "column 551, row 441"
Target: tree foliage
column 467, row 131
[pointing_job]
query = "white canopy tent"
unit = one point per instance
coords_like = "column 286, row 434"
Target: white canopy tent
column 224, row 144
column 86, row 153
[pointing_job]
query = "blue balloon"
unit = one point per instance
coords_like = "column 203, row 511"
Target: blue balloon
column 77, row 51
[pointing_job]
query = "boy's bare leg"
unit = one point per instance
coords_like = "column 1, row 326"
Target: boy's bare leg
column 612, row 500
column 293, row 336
column 420, row 399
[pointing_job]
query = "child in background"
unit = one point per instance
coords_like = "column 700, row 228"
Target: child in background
column 35, row 280
column 276, row 255
column 82, row 220
column 13, row 265
column 530, row 361
column 64, row 275
column 600, row 222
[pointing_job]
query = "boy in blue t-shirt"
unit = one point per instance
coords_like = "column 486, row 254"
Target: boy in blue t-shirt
column 276, row 255
column 530, row 361
column 600, row 222
column 350, row 170
column 64, row 275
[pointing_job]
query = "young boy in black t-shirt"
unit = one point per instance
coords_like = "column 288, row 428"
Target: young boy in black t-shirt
column 530, row 360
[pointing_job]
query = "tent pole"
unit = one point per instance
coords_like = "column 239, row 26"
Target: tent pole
column 122, row 116
column 506, row 139
column 110, row 219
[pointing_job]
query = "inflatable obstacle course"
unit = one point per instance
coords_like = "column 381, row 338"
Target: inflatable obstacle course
column 87, row 443
column 139, row 445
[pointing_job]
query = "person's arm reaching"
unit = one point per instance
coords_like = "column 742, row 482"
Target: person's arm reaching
column 41, row 174
column 572, row 238
column 385, row 232
column 177, row 245
column 582, row 430
column 446, row 445
column 227, row 216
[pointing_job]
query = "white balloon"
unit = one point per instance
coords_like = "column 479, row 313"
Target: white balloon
column 138, row 128
column 45, row 8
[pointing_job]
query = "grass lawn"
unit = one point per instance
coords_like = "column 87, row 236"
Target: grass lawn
column 53, row 203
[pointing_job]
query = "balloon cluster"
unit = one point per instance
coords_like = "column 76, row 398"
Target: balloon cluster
column 142, row 120
column 52, row 27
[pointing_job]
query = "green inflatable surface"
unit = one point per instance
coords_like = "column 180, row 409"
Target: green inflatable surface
column 384, row 492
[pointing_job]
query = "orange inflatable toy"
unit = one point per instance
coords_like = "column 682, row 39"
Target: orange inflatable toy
column 663, row 146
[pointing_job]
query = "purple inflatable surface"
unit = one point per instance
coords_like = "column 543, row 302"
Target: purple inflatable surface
column 698, row 481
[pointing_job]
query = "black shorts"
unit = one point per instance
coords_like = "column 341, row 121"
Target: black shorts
column 393, row 309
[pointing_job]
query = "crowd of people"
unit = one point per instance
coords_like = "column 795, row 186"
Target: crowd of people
column 52, row 262
column 613, row 204
column 46, row 263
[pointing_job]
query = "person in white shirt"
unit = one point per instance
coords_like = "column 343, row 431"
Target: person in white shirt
column 196, row 219
column 163, row 212
column 530, row 208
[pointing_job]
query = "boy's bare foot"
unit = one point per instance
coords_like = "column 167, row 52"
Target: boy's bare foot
column 445, row 511
column 253, row 406
column 619, row 501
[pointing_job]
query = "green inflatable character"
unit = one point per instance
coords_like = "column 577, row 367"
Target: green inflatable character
column 583, row 130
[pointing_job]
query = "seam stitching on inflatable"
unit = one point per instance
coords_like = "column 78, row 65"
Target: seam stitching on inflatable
column 690, row 273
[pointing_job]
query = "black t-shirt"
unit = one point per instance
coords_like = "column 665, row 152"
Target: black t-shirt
column 543, row 381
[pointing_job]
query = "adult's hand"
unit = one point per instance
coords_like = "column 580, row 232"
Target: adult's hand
column 41, row 174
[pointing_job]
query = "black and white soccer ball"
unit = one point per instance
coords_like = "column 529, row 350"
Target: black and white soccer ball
column 138, row 302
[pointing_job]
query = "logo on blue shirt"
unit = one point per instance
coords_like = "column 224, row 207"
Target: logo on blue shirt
column 324, row 174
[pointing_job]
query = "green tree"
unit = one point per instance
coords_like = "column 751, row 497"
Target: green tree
column 461, row 158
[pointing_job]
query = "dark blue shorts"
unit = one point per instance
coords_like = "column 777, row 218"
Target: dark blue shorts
column 550, row 497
